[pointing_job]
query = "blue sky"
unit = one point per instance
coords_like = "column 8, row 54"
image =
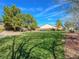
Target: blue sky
column 44, row 11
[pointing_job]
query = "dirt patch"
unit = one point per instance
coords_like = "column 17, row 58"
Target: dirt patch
column 72, row 46
column 10, row 33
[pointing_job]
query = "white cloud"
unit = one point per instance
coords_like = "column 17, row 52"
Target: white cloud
column 53, row 15
column 56, row 14
column 23, row 9
column 67, row 17
column 48, row 9
column 31, row 9
column 49, row 17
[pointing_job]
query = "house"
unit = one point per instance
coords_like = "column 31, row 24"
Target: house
column 60, row 28
column 47, row 27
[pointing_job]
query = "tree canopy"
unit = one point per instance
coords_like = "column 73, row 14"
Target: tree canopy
column 59, row 24
column 73, row 10
column 14, row 19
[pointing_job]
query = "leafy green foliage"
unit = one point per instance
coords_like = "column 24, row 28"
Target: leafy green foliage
column 14, row 19
column 29, row 22
column 59, row 24
column 10, row 19
column 33, row 45
column 73, row 10
column 69, row 24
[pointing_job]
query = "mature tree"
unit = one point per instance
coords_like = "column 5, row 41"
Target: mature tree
column 73, row 10
column 10, row 17
column 69, row 25
column 14, row 19
column 59, row 24
column 29, row 22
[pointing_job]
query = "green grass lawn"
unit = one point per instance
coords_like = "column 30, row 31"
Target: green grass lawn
column 33, row 45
